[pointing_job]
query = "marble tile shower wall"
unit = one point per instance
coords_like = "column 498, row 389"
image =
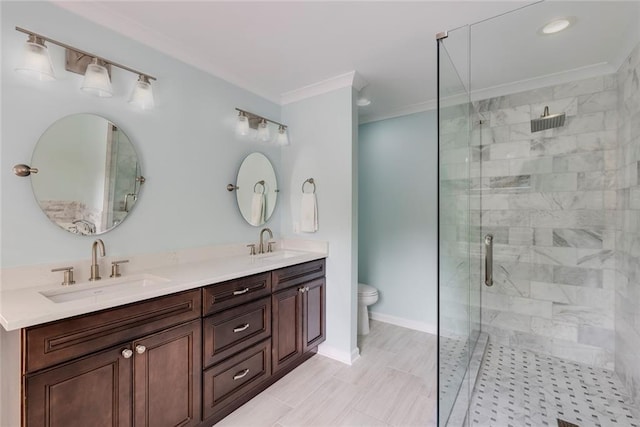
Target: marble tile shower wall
column 549, row 199
column 627, row 289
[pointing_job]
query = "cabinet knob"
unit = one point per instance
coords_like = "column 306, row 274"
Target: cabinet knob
column 140, row 349
column 301, row 290
column 126, row 353
column 306, row 289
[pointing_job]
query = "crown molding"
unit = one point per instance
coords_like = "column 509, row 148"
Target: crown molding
column 350, row 79
column 568, row 76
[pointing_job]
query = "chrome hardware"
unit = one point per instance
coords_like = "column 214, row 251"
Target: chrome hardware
column 95, row 268
column 252, row 248
column 24, row 170
column 306, row 289
column 115, row 267
column 231, row 187
column 133, row 196
column 68, row 275
column 261, row 247
column 270, row 246
column 244, row 291
column 241, row 374
column 126, row 353
column 140, row 349
column 141, row 179
column 310, row 181
column 261, row 183
column 241, row 328
column 301, row 290
column 488, row 262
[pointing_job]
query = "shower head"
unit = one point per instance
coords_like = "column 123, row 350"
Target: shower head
column 547, row 121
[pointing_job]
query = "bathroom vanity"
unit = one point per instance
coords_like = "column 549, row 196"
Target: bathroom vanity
column 186, row 358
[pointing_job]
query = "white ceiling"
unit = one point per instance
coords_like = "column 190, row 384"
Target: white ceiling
column 272, row 48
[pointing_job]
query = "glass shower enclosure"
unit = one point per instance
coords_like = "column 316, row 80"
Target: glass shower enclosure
column 550, row 331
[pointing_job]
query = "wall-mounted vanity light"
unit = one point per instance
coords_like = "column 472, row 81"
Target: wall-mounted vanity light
column 96, row 70
column 247, row 120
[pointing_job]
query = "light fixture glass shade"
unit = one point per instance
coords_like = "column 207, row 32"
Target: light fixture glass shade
column 97, row 81
column 242, row 125
column 36, row 62
column 263, row 131
column 283, row 138
column 142, row 94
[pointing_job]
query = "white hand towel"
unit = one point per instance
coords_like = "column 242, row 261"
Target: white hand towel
column 257, row 209
column 309, row 213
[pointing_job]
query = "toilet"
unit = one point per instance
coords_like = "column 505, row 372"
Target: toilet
column 367, row 295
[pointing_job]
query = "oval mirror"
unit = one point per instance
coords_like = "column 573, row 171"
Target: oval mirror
column 88, row 177
column 256, row 189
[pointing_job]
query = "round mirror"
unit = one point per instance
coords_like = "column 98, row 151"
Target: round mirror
column 88, row 176
column 256, row 189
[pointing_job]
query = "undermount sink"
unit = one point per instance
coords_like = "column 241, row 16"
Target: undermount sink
column 105, row 289
column 278, row 255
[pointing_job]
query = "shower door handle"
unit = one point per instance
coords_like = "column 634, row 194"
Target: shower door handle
column 488, row 261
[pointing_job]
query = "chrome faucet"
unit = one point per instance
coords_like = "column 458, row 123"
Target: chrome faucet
column 261, row 247
column 95, row 268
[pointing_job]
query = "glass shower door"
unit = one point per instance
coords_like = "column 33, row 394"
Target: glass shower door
column 458, row 315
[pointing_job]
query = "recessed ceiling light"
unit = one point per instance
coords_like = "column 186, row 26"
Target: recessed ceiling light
column 363, row 102
column 556, row 26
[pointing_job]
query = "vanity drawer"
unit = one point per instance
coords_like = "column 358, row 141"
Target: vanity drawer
column 232, row 330
column 52, row 343
column 228, row 294
column 227, row 381
column 297, row 274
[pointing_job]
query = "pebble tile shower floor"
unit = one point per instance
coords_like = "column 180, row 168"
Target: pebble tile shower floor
column 520, row 388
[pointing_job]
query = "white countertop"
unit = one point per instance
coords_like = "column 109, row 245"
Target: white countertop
column 20, row 308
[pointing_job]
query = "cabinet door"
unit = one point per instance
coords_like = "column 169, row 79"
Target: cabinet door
column 167, row 373
column 92, row 391
column 286, row 328
column 313, row 311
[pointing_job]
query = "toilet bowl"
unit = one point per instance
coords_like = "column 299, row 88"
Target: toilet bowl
column 367, row 295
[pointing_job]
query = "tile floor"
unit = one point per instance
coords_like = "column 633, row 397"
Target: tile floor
column 521, row 388
column 393, row 383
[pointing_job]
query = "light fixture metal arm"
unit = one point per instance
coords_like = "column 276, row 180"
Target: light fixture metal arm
column 66, row 46
column 251, row 115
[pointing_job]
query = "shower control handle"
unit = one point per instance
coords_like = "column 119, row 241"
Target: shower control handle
column 488, row 261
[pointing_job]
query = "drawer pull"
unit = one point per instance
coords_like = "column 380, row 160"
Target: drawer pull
column 140, row 349
column 241, row 374
column 244, row 291
column 241, row 328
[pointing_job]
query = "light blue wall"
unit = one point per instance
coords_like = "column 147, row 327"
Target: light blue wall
column 397, row 205
column 322, row 148
column 186, row 144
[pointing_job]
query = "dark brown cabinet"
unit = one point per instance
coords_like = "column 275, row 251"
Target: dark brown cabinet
column 186, row 359
column 95, row 390
column 150, row 380
column 287, row 327
column 167, row 369
column 313, row 312
column 298, row 320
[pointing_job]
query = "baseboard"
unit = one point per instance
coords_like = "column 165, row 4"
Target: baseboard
column 341, row 356
column 405, row 323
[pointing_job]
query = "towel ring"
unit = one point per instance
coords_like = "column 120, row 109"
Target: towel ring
column 310, row 181
column 259, row 183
